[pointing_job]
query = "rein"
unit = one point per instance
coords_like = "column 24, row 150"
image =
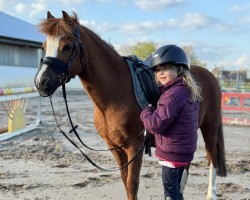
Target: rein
column 78, row 137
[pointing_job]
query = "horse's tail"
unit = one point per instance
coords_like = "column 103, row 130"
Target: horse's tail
column 221, row 161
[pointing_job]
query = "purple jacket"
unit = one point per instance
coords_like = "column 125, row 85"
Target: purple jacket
column 174, row 122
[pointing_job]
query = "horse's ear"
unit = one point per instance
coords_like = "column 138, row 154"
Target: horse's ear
column 66, row 16
column 76, row 18
column 49, row 16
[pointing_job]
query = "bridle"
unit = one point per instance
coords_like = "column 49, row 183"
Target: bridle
column 63, row 69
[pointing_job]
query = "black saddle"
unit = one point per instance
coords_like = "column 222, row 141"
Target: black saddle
column 146, row 79
column 141, row 72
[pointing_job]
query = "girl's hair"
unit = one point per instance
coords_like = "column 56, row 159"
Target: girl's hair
column 192, row 85
column 189, row 80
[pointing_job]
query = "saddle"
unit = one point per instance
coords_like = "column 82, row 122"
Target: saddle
column 145, row 87
column 146, row 90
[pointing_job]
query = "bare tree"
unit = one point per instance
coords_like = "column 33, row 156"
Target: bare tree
column 192, row 56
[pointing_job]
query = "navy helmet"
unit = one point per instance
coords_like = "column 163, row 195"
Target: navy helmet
column 169, row 54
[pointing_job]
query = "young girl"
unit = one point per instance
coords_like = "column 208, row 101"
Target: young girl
column 174, row 122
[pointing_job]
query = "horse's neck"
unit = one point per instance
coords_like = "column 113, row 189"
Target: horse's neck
column 105, row 75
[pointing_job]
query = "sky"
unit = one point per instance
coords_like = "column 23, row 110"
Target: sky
column 219, row 31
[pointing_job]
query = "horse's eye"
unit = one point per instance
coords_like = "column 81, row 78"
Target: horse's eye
column 67, row 47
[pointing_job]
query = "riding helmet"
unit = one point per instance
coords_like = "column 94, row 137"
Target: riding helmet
column 169, row 54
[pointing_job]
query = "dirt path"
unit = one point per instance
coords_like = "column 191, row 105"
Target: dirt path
column 42, row 164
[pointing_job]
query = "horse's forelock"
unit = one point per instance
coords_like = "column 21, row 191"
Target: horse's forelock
column 59, row 26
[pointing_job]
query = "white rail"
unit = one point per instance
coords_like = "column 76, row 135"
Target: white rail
column 10, row 100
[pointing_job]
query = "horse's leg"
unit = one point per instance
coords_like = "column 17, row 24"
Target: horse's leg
column 121, row 159
column 134, row 168
column 209, row 132
column 130, row 174
column 211, row 193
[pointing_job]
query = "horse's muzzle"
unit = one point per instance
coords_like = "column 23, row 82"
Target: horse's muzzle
column 45, row 89
column 47, row 83
column 51, row 74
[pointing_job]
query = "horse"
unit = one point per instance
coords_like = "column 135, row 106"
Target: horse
column 73, row 50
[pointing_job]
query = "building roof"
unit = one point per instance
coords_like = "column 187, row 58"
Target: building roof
column 16, row 29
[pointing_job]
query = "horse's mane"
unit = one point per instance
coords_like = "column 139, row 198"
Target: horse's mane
column 65, row 27
column 59, row 26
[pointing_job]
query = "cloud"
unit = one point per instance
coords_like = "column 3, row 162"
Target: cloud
column 5, row 6
column 243, row 61
column 147, row 26
column 98, row 27
column 33, row 9
column 240, row 8
column 171, row 23
column 213, row 54
column 37, row 8
column 246, row 20
column 71, row 2
column 189, row 22
column 151, row 5
column 132, row 28
column 195, row 21
column 79, row 2
column 102, row 1
column 20, row 8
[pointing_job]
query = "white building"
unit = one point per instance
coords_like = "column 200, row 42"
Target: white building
column 20, row 51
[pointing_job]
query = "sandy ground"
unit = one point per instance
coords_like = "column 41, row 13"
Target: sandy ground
column 42, row 164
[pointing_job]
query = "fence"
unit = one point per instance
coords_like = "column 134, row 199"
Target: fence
column 236, row 108
column 14, row 103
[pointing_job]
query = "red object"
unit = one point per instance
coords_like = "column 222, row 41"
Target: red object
column 235, row 101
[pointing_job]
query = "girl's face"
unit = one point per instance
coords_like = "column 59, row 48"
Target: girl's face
column 165, row 73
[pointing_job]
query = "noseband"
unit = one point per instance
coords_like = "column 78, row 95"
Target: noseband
column 60, row 67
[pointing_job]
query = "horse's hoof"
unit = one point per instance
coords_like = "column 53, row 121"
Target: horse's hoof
column 210, row 198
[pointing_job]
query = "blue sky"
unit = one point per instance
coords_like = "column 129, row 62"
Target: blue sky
column 219, row 31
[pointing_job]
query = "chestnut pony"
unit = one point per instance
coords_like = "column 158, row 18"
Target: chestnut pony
column 72, row 49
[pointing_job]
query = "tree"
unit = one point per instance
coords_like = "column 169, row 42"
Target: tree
column 144, row 49
column 141, row 49
column 189, row 50
column 125, row 50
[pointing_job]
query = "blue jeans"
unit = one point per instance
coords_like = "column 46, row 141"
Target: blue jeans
column 171, row 179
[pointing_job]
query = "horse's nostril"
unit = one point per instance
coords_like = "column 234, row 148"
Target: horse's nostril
column 44, row 83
